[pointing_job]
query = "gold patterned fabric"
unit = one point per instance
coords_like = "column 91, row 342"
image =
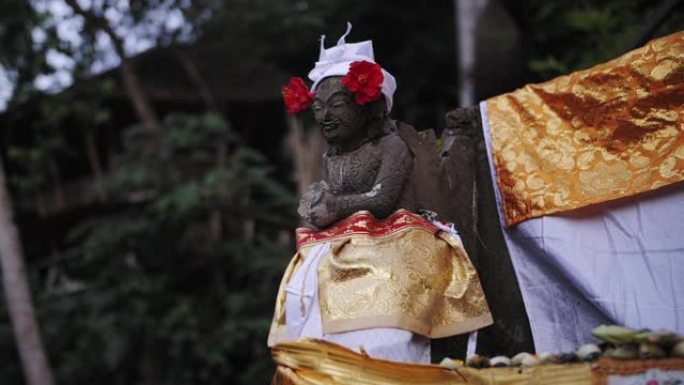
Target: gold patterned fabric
column 608, row 132
column 398, row 272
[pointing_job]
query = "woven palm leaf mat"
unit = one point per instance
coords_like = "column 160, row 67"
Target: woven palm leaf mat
column 316, row 362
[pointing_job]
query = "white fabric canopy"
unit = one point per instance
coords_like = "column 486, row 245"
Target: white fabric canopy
column 620, row 262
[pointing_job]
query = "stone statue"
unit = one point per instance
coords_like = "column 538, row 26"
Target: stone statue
column 392, row 280
column 367, row 164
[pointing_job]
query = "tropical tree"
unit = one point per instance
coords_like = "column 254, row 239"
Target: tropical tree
column 153, row 284
column 35, row 364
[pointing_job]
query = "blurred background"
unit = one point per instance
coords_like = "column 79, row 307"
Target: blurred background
column 154, row 173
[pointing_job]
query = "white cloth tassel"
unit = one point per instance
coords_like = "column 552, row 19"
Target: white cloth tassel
column 342, row 39
column 472, row 344
column 322, row 56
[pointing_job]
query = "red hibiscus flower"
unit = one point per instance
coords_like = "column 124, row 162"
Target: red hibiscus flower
column 364, row 79
column 297, row 96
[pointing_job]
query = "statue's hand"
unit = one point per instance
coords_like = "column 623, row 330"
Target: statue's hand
column 321, row 213
column 312, row 203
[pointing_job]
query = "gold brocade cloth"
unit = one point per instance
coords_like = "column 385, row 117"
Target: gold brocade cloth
column 608, row 132
column 399, row 272
column 316, row 362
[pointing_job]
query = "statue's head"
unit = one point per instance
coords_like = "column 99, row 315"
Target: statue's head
column 350, row 96
column 342, row 121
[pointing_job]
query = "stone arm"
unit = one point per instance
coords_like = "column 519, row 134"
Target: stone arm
column 382, row 199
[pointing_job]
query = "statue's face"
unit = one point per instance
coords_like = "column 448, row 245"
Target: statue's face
column 337, row 114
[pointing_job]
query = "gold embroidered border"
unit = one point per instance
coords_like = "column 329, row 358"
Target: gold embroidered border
column 607, row 367
column 364, row 223
column 400, row 322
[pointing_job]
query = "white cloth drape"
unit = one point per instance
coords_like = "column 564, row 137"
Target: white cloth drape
column 619, row 262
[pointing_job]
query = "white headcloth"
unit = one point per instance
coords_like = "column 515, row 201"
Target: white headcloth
column 335, row 61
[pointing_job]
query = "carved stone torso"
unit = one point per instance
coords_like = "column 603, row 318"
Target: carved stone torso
column 376, row 174
column 353, row 172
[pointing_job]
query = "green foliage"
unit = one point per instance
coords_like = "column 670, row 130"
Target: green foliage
column 417, row 46
column 37, row 162
column 564, row 36
column 154, row 290
column 24, row 53
column 547, row 65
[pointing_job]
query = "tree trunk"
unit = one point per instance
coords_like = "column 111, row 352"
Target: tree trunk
column 467, row 14
column 59, row 198
column 134, row 90
column 306, row 147
column 664, row 11
column 34, row 362
column 136, row 94
column 196, row 78
column 94, row 160
column 216, row 216
column 194, row 75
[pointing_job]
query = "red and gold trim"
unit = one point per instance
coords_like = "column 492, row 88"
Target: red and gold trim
column 363, row 222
